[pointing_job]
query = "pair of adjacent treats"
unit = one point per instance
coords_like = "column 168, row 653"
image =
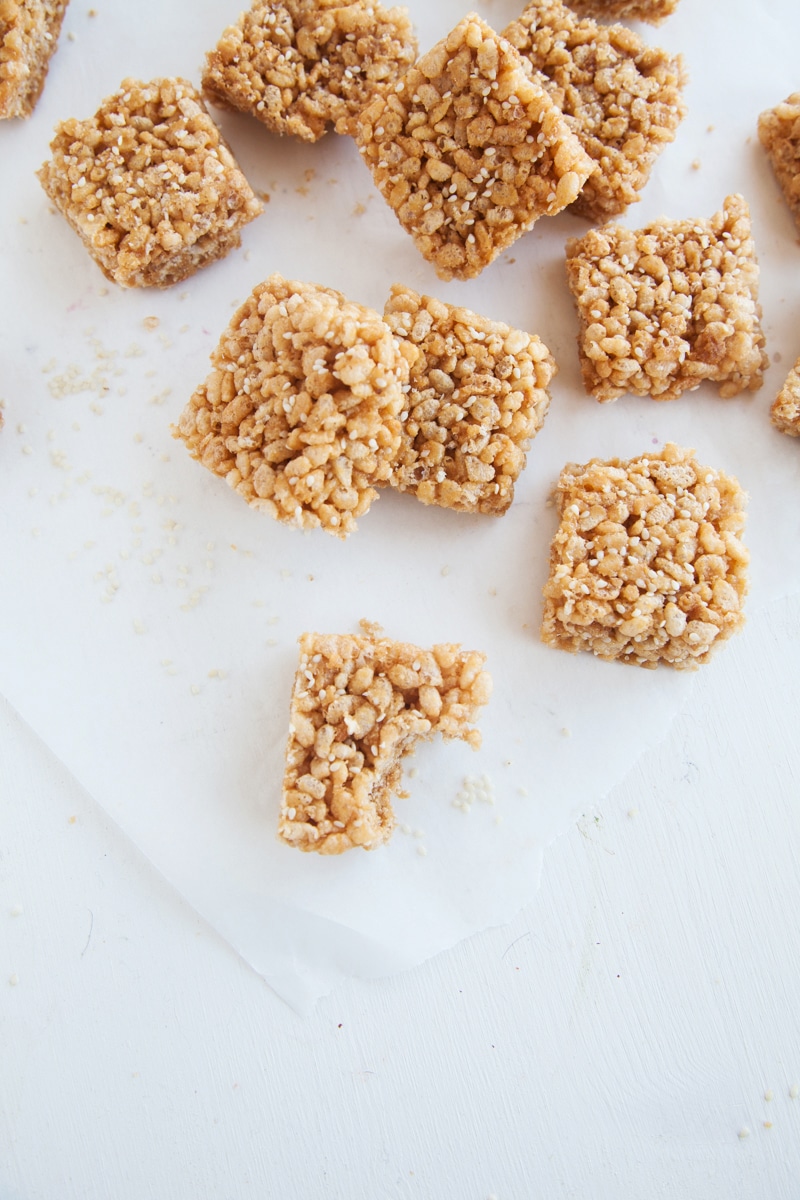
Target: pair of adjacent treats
column 665, row 307
column 300, row 66
column 359, row 704
column 647, row 566
column 149, row 184
column 620, row 97
column 29, row 32
column 314, row 401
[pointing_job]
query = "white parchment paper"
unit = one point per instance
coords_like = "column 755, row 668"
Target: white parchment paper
column 148, row 618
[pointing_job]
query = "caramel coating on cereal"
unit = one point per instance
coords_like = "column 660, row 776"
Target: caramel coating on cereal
column 301, row 65
column 647, row 566
column 652, row 11
column 300, row 414
column 478, row 395
column 785, row 411
column 779, row 133
column 469, row 150
column 359, row 705
column 665, row 307
column 149, row 184
column 621, row 98
column 29, row 32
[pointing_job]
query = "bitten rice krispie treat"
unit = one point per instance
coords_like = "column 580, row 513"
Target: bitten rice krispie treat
column 779, row 132
column 301, row 65
column 358, row 706
column 469, row 150
column 149, row 184
column 647, row 565
column 653, row 11
column 665, row 307
column 620, row 97
column 300, row 413
column 785, row 412
column 29, row 32
column 478, row 395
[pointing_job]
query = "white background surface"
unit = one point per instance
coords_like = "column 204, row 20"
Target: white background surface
column 616, row 1038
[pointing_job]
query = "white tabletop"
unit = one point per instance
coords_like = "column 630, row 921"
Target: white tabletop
column 634, row 1032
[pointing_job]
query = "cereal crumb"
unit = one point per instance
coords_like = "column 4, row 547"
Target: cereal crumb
column 785, row 411
column 13, row 979
column 15, row 910
column 743, row 1133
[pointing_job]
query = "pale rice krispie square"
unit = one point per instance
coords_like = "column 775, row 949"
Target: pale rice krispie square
column 469, row 150
column 779, row 133
column 621, row 98
column 149, row 184
column 652, row 11
column 647, row 566
column 29, row 32
column 665, row 307
column 301, row 412
column 359, row 705
column 478, row 395
column 785, row 411
column 300, row 66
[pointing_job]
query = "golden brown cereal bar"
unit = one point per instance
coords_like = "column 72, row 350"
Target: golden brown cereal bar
column 149, row 184
column 779, row 132
column 300, row 413
column 647, row 565
column 478, row 395
column 620, row 97
column 358, row 706
column 653, row 11
column 29, row 32
column 300, row 65
column 785, row 411
column 665, row 307
column 469, row 150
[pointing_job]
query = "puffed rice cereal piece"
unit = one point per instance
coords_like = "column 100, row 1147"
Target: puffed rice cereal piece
column 665, row 307
column 647, row 566
column 29, row 32
column 359, row 705
column 779, row 133
column 785, row 411
column 149, row 184
column 478, row 396
column 469, row 150
column 300, row 414
column 621, row 98
column 652, row 11
column 301, row 65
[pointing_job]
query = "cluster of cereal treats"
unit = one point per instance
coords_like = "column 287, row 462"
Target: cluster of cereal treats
column 647, row 565
column 302, row 65
column 149, row 184
column 29, row 32
column 779, row 132
column 301, row 412
column 665, row 307
column 358, row 706
column 785, row 412
column 477, row 396
column 621, row 98
column 469, row 150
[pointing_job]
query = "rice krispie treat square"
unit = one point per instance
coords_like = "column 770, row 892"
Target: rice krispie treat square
column 149, row 184
column 785, row 412
column 359, row 705
column 779, row 133
column 301, row 65
column 300, row 414
column 29, row 32
column 478, row 396
column 647, row 566
column 653, row 11
column 665, row 307
column 621, row 98
column 469, row 150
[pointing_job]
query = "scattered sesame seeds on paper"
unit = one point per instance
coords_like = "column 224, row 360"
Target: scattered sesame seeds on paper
column 149, row 625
